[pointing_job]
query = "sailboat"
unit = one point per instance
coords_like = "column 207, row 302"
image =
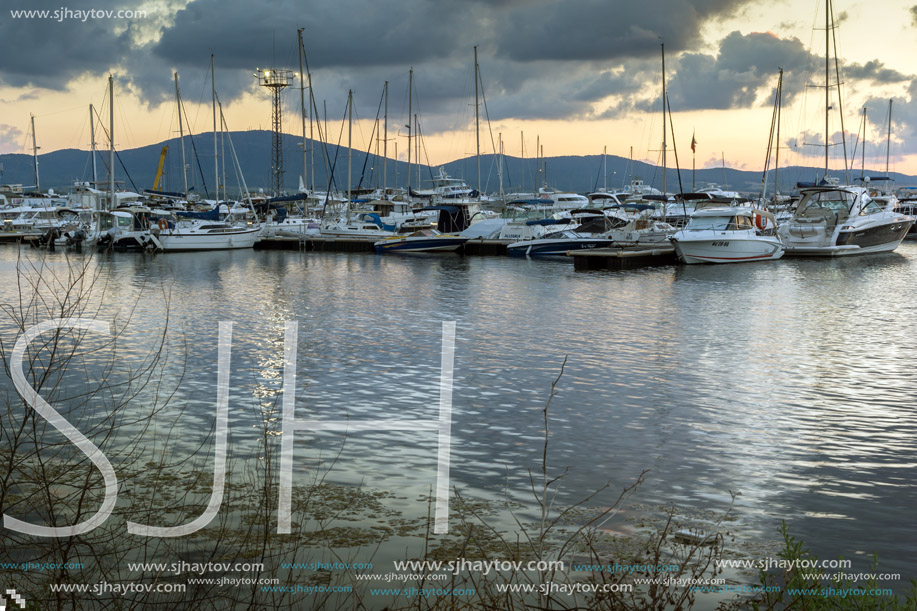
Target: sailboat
column 833, row 219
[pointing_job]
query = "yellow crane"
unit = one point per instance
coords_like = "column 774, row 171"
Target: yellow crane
column 162, row 159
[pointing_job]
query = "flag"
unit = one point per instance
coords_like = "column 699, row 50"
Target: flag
column 693, row 143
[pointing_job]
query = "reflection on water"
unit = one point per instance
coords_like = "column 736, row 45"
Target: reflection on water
column 788, row 382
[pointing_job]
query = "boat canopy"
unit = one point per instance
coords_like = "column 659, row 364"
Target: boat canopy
column 545, row 222
column 164, row 193
column 296, row 197
column 530, row 202
column 873, row 178
column 376, row 220
column 211, row 215
column 637, row 207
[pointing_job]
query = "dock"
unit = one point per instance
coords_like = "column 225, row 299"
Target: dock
column 625, row 257
column 317, row 244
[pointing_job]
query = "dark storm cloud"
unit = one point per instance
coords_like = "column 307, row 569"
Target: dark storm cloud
column 745, row 66
column 540, row 59
column 605, row 30
column 904, row 120
column 743, row 74
column 344, row 33
column 49, row 52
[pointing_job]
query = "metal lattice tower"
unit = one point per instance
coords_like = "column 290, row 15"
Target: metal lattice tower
column 276, row 81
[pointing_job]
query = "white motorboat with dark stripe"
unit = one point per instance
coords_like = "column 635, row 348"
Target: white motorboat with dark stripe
column 728, row 234
column 423, row 240
column 557, row 243
column 833, row 220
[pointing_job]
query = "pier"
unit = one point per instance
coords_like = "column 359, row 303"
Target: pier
column 627, row 257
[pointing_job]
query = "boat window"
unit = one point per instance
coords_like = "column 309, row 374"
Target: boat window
column 124, row 221
column 871, row 208
column 106, row 222
column 707, row 223
column 744, row 222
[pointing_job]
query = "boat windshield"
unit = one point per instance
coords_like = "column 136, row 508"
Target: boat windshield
column 815, row 204
column 871, row 207
column 708, row 223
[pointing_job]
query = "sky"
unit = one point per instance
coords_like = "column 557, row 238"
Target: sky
column 571, row 77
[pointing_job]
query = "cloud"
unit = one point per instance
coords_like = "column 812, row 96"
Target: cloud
column 51, row 45
column 914, row 16
column 540, row 59
column 903, row 116
column 605, row 30
column 10, row 138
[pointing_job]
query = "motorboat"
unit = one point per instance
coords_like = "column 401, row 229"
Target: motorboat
column 728, row 234
column 202, row 234
column 422, row 240
column 835, row 220
column 557, row 243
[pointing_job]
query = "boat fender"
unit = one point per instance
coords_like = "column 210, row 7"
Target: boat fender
column 163, row 224
column 761, row 222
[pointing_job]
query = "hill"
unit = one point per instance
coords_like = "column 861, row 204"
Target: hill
column 136, row 168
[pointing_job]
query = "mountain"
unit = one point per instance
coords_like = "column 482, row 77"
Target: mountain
column 136, row 169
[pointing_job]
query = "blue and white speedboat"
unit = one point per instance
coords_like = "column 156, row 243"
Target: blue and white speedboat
column 557, row 243
column 424, row 240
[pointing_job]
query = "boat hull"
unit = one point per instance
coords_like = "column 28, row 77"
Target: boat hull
column 438, row 244
column 547, row 247
column 727, row 250
column 876, row 239
column 189, row 242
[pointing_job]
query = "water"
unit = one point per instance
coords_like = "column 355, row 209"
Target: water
column 789, row 383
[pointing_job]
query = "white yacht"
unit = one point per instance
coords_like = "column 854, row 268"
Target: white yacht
column 202, row 234
column 834, row 220
column 728, row 234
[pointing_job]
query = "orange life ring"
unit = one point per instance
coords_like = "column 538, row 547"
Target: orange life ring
column 761, row 222
column 163, row 224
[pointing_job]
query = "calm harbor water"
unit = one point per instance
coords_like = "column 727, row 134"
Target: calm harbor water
column 790, row 383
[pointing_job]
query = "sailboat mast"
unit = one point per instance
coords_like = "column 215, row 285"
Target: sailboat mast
column 605, row 168
column 302, row 111
column 349, row 143
column 888, row 145
column 181, row 137
column 827, row 78
column 35, row 155
column 477, row 118
column 216, row 165
column 863, row 151
column 522, row 159
column 410, row 119
column 385, row 146
column 777, row 150
column 111, row 141
column 92, row 144
column 537, row 163
column 500, row 168
column 665, row 189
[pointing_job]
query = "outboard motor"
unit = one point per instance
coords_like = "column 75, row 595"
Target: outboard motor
column 75, row 239
column 105, row 242
column 47, row 240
